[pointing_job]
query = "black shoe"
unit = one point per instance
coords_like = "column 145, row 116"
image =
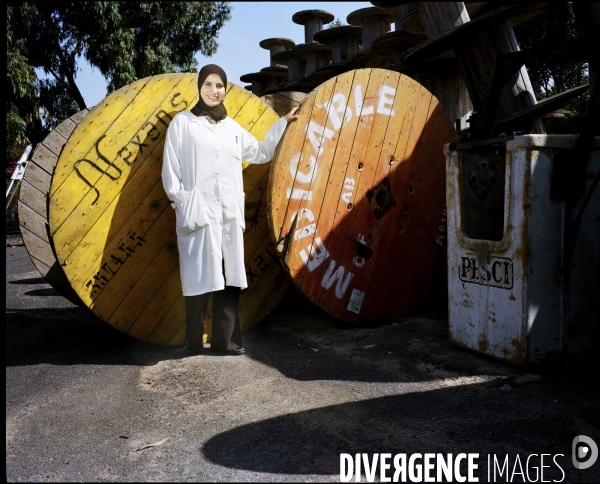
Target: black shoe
column 188, row 350
column 234, row 352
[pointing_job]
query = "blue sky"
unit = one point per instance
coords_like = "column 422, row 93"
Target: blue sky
column 238, row 52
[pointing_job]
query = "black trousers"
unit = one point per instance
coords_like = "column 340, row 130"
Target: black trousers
column 225, row 321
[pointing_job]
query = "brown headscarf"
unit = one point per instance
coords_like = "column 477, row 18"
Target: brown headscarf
column 201, row 108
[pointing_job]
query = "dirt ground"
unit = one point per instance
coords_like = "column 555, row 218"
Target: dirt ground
column 85, row 402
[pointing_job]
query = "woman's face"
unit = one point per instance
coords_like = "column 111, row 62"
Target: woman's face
column 213, row 90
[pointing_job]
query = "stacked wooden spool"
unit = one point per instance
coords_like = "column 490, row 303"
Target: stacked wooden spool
column 478, row 44
column 274, row 74
column 266, row 82
column 374, row 22
column 304, row 59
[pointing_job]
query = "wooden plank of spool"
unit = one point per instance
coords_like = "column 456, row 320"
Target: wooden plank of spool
column 275, row 74
column 112, row 224
column 316, row 55
column 313, row 21
column 374, row 21
column 282, row 102
column 275, row 45
column 296, row 65
column 491, row 35
column 411, row 20
column 440, row 76
column 344, row 41
column 357, row 195
column 33, row 207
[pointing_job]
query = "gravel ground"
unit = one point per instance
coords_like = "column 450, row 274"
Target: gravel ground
column 85, row 402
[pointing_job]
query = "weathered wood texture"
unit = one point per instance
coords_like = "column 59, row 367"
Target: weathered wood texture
column 282, row 102
column 374, row 21
column 113, row 226
column 477, row 57
column 357, row 195
column 33, row 206
column 450, row 88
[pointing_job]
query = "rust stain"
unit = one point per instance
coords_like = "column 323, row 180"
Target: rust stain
column 483, row 344
column 512, row 297
column 382, row 199
column 467, row 304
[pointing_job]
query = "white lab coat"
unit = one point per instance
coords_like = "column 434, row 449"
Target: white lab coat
column 202, row 176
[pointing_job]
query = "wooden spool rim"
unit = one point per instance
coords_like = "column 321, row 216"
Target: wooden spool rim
column 274, row 41
column 271, row 70
column 301, row 51
column 55, row 276
column 545, row 106
column 446, row 41
column 248, row 77
column 389, row 3
column 282, row 57
column 323, row 74
column 360, row 60
column 281, row 87
column 357, row 17
column 426, row 65
column 264, row 73
column 327, row 72
column 328, row 36
column 303, row 16
column 302, row 85
column 398, row 40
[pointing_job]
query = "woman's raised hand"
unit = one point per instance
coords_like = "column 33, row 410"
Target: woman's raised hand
column 291, row 116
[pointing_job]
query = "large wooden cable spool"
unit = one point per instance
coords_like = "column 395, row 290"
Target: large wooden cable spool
column 113, row 226
column 33, row 206
column 357, row 195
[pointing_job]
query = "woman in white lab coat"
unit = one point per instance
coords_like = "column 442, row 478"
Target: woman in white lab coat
column 202, row 176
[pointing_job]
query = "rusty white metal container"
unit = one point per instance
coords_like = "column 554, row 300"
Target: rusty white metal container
column 508, row 295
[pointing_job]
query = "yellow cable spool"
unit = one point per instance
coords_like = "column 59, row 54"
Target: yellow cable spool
column 113, row 226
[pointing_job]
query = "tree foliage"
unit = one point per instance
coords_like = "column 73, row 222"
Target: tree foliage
column 23, row 122
column 549, row 78
column 125, row 40
column 336, row 23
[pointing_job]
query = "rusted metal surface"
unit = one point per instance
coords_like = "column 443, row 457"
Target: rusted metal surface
column 507, row 296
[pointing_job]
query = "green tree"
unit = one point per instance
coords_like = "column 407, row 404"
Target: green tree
column 23, row 121
column 125, row 40
column 549, row 78
column 336, row 23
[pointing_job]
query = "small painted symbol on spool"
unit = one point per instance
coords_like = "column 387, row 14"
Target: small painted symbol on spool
column 156, row 205
column 171, row 247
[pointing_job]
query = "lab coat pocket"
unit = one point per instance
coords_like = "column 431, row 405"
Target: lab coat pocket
column 191, row 215
column 241, row 208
